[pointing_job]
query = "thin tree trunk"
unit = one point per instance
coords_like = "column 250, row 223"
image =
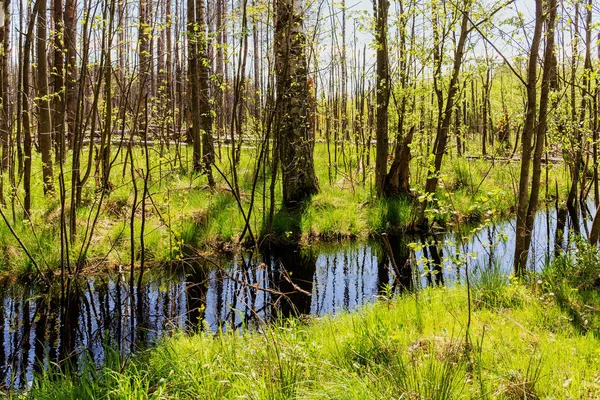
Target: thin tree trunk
column 70, row 41
column 25, row 110
column 577, row 159
column 484, row 109
column 193, row 84
column 43, row 101
column 58, row 115
column 4, row 98
column 441, row 139
column 383, row 93
column 523, row 234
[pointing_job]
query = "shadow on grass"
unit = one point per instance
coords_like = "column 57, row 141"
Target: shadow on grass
column 287, row 226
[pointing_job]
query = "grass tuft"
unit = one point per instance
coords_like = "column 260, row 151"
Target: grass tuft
column 381, row 351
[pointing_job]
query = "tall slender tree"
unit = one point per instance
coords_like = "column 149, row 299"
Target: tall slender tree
column 43, row 100
column 445, row 112
column 4, row 95
column 193, row 83
column 70, row 47
column 58, row 79
column 382, row 83
column 528, row 196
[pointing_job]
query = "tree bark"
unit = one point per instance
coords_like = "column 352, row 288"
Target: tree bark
column 220, row 69
column 397, row 181
column 194, row 101
column 576, row 141
column 595, row 230
column 484, row 108
column 524, row 205
column 383, row 94
column 70, row 41
column 204, row 107
column 25, row 113
column 43, row 101
column 58, row 83
column 295, row 142
column 4, row 98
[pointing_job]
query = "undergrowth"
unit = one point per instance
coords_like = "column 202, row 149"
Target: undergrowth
column 572, row 280
column 411, row 347
column 183, row 217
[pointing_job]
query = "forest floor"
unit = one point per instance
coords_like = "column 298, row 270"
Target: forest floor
column 504, row 339
column 183, row 218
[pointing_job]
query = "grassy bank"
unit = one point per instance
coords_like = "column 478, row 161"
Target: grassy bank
column 183, row 217
column 522, row 343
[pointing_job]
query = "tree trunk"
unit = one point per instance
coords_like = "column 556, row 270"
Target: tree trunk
column 193, row 108
column 4, row 102
column 523, row 234
column 70, row 41
column 576, row 142
column 25, row 113
column 383, row 94
column 43, row 101
column 484, row 109
column 204, row 107
column 542, row 125
column 257, row 95
column 58, row 83
column 595, row 230
column 441, row 139
column 145, row 57
column 295, row 142
column 397, row 181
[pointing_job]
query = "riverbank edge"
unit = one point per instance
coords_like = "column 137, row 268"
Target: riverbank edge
column 415, row 344
column 214, row 249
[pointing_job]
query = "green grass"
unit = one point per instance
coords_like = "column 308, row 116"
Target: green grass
column 573, row 281
column 184, row 217
column 522, row 345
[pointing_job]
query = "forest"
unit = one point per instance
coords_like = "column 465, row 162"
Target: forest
column 299, row 199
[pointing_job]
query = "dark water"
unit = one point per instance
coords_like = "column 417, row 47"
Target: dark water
column 41, row 327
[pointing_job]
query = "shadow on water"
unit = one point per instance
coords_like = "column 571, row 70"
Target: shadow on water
column 42, row 327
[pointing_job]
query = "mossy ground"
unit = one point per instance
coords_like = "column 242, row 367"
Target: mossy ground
column 521, row 344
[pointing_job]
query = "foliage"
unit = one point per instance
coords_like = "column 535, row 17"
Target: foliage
column 572, row 280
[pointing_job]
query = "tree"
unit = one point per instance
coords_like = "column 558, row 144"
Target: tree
column 294, row 140
column 204, row 106
column 70, row 46
column 193, row 82
column 43, row 101
column 25, row 111
column 199, row 75
column 58, row 80
column 383, row 93
column 397, row 181
column 527, row 202
column 4, row 99
column 445, row 110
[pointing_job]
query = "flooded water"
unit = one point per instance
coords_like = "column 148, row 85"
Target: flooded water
column 41, row 327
